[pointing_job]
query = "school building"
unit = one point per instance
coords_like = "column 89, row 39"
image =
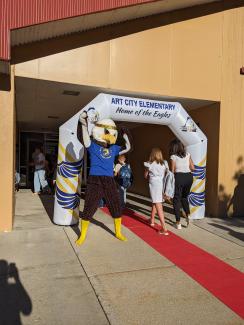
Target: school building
column 56, row 56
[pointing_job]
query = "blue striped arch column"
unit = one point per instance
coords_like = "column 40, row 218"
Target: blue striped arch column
column 197, row 194
column 68, row 186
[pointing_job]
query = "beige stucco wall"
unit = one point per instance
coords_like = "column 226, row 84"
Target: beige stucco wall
column 7, row 159
column 231, row 148
column 197, row 58
column 176, row 59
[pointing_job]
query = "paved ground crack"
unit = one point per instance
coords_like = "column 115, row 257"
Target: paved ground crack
column 98, row 299
column 134, row 270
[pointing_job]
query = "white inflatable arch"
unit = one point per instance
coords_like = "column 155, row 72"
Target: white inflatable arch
column 120, row 108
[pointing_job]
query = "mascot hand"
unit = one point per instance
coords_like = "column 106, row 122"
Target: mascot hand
column 83, row 118
column 124, row 131
column 126, row 134
column 127, row 138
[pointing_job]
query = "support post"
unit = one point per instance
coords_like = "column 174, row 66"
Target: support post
column 7, row 152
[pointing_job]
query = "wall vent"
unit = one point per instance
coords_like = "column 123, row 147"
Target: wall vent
column 53, row 117
column 71, row 93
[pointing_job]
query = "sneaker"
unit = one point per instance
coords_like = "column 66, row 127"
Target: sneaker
column 178, row 226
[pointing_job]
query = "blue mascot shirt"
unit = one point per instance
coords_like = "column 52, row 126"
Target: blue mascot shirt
column 102, row 159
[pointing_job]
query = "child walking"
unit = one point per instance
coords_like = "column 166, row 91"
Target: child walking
column 155, row 172
column 123, row 175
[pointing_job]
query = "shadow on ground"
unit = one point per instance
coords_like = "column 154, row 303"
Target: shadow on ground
column 167, row 209
column 230, row 231
column 14, row 299
column 96, row 222
column 142, row 207
column 48, row 203
column 233, row 205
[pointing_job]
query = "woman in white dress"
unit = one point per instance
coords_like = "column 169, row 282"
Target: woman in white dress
column 155, row 172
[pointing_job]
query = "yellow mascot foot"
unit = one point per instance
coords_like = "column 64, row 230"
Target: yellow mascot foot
column 121, row 237
column 117, row 227
column 80, row 241
column 83, row 231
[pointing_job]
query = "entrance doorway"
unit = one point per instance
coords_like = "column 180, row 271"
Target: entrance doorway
column 48, row 142
column 43, row 106
column 32, row 144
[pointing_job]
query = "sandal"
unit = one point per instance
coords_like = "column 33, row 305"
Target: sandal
column 163, row 232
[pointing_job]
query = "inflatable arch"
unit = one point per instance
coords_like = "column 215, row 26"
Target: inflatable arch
column 120, row 108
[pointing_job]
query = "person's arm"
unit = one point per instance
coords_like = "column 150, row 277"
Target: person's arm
column 191, row 165
column 173, row 166
column 127, row 142
column 146, row 172
column 127, row 145
column 47, row 167
column 116, row 170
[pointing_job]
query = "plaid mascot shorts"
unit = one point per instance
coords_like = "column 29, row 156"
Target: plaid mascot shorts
column 99, row 187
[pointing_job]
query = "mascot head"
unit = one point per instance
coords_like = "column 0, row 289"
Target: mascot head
column 105, row 131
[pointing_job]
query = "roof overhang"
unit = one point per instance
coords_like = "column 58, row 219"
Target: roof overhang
column 36, row 97
column 28, row 21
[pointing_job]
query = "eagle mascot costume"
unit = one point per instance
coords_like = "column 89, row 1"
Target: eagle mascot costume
column 101, row 183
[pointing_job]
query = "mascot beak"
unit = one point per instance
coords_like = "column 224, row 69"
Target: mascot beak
column 109, row 138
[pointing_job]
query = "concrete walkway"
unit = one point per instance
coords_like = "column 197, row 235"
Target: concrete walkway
column 105, row 281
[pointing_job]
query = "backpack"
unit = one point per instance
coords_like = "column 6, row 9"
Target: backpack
column 125, row 176
column 168, row 182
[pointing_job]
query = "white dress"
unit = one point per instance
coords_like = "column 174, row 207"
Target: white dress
column 156, row 175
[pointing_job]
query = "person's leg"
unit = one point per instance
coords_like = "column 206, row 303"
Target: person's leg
column 121, row 196
column 188, row 179
column 177, row 199
column 153, row 213
column 112, row 198
column 92, row 197
column 160, row 212
column 124, row 196
column 37, row 184
column 43, row 181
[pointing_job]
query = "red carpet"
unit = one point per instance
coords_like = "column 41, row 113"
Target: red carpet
column 224, row 281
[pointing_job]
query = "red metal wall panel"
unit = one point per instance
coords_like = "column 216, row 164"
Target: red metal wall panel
column 22, row 13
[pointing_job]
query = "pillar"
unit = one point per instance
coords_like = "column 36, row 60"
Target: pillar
column 7, row 152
